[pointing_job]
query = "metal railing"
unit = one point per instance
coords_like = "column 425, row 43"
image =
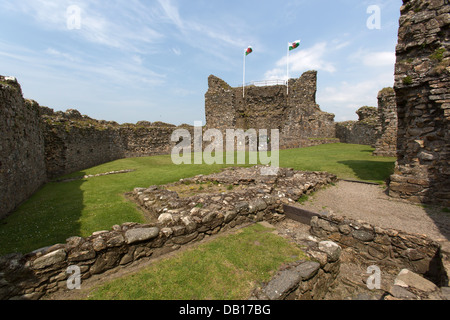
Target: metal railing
column 265, row 83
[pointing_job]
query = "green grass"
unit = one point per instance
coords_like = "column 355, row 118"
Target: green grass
column 78, row 208
column 226, row 268
column 347, row 161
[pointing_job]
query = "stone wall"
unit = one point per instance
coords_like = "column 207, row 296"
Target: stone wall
column 178, row 220
column 305, row 280
column 22, row 165
column 38, row 144
column 75, row 142
column 422, row 88
column 367, row 130
column 296, row 115
column 391, row 250
column 386, row 145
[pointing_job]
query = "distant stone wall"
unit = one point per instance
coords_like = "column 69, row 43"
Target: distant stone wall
column 74, row 142
column 367, row 130
column 296, row 115
column 422, row 88
column 386, row 145
column 22, row 165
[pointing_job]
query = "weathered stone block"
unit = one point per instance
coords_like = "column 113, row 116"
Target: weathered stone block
column 141, row 234
column 363, row 235
column 332, row 250
column 50, row 259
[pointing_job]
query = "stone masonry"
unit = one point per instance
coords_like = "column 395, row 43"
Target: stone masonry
column 422, row 88
column 386, row 145
column 296, row 115
column 38, row 144
column 22, row 165
column 366, row 130
column 178, row 219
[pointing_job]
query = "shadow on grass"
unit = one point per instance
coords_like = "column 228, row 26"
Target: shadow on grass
column 373, row 171
column 45, row 219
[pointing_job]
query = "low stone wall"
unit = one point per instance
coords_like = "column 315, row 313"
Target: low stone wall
column 33, row 275
column 179, row 220
column 304, row 280
column 392, row 249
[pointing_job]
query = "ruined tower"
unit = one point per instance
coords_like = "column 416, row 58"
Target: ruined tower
column 296, row 115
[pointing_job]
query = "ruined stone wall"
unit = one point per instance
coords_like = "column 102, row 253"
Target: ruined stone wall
column 386, row 145
column 422, row 88
column 22, row 165
column 178, row 220
column 38, row 144
column 296, row 114
column 74, row 142
column 367, row 130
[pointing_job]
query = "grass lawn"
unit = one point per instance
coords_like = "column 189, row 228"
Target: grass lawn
column 226, row 268
column 78, row 208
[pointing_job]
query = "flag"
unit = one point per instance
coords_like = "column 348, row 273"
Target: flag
column 294, row 45
column 248, row 51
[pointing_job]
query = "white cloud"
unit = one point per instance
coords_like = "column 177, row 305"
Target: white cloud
column 121, row 27
column 379, row 59
column 171, row 13
column 176, row 51
column 303, row 60
column 346, row 98
column 56, row 53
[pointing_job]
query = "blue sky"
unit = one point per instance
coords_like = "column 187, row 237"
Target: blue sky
column 150, row 59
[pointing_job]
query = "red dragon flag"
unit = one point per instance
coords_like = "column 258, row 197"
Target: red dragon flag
column 294, row 45
column 248, row 51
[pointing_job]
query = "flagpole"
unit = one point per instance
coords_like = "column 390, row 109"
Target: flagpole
column 287, row 80
column 243, row 80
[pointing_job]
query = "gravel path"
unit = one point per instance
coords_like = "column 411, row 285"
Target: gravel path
column 370, row 203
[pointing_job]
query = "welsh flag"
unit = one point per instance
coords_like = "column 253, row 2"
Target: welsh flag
column 294, row 45
column 248, row 51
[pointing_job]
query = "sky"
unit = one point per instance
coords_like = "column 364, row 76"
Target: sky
column 134, row 60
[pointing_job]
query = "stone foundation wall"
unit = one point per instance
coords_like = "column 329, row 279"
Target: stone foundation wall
column 33, row 275
column 422, row 88
column 305, row 280
column 178, row 220
column 389, row 249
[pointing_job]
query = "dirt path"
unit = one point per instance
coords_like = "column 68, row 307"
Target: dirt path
column 370, row 203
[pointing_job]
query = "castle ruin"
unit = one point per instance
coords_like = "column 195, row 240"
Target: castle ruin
column 296, row 115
